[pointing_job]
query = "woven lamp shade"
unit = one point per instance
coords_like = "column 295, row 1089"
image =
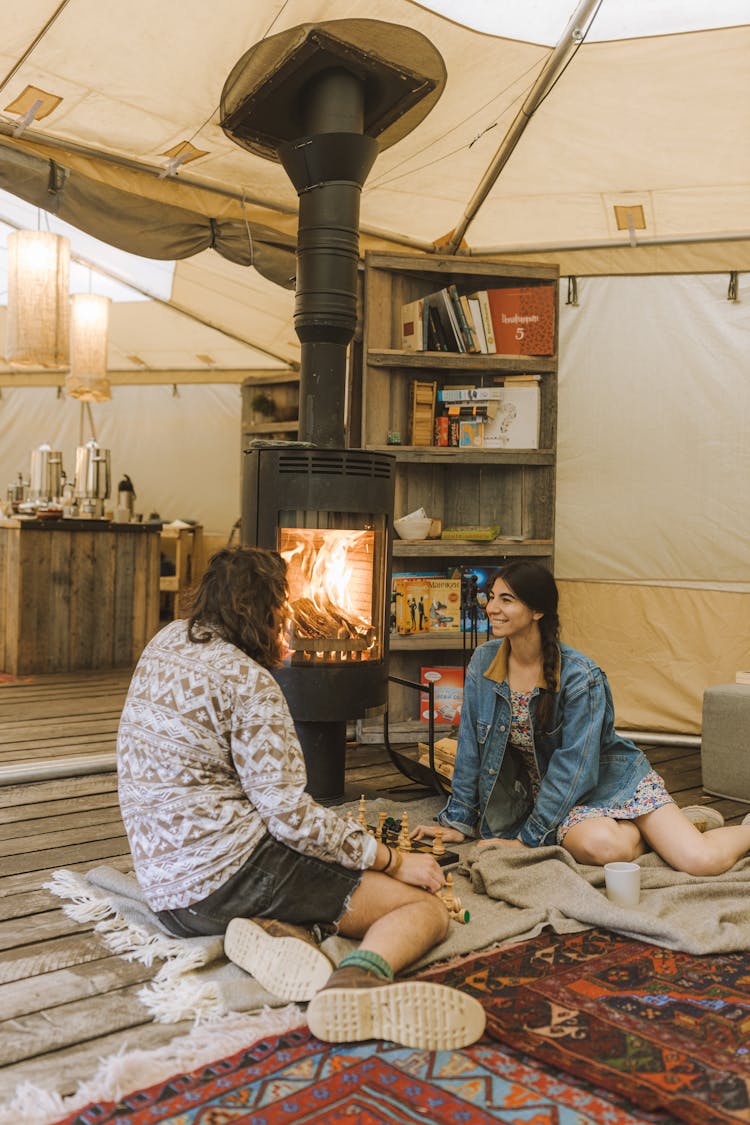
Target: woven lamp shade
column 88, row 380
column 38, row 321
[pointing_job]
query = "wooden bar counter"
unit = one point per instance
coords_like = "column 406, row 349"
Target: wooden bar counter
column 76, row 593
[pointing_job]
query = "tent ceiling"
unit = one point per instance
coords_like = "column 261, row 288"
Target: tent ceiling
column 655, row 122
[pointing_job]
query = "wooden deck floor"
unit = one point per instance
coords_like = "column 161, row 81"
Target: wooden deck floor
column 65, row 1001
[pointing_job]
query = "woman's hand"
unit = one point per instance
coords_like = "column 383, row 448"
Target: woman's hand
column 514, row 843
column 450, row 835
column 419, row 869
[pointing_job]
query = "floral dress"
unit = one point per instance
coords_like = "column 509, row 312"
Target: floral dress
column 651, row 792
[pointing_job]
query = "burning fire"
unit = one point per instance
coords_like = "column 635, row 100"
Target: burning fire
column 330, row 576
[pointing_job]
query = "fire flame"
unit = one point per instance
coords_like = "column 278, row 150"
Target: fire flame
column 325, row 571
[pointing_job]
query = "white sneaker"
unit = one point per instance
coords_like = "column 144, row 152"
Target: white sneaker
column 283, row 958
column 703, row 817
column 414, row 1013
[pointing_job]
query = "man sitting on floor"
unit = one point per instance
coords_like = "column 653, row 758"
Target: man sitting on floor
column 226, row 840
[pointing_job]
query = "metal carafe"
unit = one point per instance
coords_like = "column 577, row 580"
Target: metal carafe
column 126, row 496
column 92, row 479
column 46, row 474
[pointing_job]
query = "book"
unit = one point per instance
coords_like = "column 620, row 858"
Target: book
column 452, row 317
column 470, row 394
column 471, row 432
column 466, row 330
column 475, row 309
column 515, row 424
column 427, row 604
column 448, row 686
column 412, row 326
column 523, row 319
column 483, row 534
column 486, row 313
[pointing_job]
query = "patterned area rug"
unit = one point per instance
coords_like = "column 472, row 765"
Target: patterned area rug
column 669, row 1031
column 294, row 1078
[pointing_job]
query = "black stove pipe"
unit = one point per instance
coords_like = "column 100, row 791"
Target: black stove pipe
column 328, row 168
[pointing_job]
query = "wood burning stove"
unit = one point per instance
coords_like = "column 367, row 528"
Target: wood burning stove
column 329, row 514
column 324, row 99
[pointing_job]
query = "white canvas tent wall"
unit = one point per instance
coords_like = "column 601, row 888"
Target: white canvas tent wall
column 655, row 121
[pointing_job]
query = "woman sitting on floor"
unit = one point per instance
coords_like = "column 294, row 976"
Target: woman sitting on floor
column 539, row 761
column 225, row 838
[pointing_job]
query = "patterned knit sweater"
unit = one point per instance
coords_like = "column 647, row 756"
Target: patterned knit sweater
column 208, row 762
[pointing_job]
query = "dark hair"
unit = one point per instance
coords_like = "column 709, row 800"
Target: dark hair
column 535, row 586
column 239, row 598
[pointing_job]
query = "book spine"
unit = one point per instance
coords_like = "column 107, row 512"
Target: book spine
column 476, row 316
column 465, row 331
column 486, row 313
column 452, row 321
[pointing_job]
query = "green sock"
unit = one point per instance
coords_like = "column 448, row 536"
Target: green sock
column 365, row 959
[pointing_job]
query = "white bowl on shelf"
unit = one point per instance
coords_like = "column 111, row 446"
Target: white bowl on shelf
column 412, row 527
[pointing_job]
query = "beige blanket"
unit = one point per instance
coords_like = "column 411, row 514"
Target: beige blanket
column 510, row 893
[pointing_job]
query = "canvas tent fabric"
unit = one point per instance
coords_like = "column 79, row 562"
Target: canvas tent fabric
column 653, row 121
column 653, row 410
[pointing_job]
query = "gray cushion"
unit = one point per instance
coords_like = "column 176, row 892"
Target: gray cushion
column 725, row 742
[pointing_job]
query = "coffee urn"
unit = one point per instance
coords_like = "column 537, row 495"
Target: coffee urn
column 92, row 480
column 46, row 478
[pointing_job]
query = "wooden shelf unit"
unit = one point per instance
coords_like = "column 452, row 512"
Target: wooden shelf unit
column 514, row 488
column 281, row 390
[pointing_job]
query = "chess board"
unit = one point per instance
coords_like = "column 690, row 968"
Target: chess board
column 390, row 835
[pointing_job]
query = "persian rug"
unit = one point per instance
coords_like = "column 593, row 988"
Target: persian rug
column 294, row 1077
column 668, row 1030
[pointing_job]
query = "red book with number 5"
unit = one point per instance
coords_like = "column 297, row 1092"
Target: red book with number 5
column 523, row 320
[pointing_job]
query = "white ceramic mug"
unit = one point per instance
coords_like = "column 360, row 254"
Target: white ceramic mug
column 623, row 883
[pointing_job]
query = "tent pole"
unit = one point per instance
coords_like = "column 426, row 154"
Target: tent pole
column 569, row 42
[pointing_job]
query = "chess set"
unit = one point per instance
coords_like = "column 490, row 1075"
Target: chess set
column 395, row 833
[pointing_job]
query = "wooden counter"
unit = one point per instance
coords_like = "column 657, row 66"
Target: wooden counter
column 76, row 594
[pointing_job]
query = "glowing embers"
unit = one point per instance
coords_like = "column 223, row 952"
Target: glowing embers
column 331, row 604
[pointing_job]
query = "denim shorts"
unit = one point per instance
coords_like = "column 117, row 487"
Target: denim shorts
column 275, row 882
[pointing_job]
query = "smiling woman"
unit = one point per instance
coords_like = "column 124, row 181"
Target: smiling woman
column 539, row 761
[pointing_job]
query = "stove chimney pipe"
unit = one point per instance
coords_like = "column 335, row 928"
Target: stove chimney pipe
column 315, row 97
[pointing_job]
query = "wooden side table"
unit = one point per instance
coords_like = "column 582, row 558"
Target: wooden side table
column 185, row 545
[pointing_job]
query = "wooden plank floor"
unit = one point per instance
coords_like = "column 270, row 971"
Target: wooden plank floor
column 65, row 1001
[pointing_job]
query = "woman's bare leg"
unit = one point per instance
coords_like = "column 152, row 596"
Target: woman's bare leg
column 601, row 839
column 679, row 843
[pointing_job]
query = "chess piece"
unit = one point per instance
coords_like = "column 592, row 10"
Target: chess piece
column 446, row 893
column 453, row 904
column 381, row 832
column 404, row 841
column 438, row 847
column 362, row 818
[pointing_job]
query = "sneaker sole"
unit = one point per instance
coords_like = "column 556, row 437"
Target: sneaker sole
column 413, row 1013
column 704, row 819
column 288, row 967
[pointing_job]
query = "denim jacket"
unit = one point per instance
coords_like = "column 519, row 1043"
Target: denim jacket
column 581, row 759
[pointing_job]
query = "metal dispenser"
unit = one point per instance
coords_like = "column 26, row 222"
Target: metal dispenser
column 92, row 480
column 46, row 479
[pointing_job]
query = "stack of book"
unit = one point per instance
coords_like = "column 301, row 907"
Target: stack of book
column 505, row 417
column 444, row 754
column 507, row 321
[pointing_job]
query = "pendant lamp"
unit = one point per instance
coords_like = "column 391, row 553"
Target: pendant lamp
column 38, row 330
column 88, row 380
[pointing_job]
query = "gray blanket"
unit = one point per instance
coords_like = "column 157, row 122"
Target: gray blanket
column 510, row 893
column 541, row 887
